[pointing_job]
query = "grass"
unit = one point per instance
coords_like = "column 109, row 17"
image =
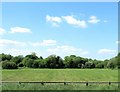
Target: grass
column 57, row 87
column 60, row 75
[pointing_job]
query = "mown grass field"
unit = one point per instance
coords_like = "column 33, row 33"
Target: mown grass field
column 61, row 75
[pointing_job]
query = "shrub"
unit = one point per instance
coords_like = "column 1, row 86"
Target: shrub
column 27, row 62
column 89, row 65
column 20, row 64
column 35, row 64
column 99, row 65
column 9, row 65
column 111, row 65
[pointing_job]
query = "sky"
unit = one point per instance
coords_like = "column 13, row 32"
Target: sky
column 86, row 29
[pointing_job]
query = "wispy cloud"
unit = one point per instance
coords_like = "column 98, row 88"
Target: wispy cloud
column 6, row 42
column 48, row 42
column 93, row 20
column 19, row 30
column 70, row 19
column 54, row 20
column 66, row 50
column 61, row 50
column 73, row 21
column 44, row 43
column 106, row 51
column 2, row 31
column 17, row 51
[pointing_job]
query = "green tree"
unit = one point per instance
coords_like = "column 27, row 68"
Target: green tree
column 27, row 62
column 17, row 59
column 32, row 56
column 110, row 65
column 73, row 61
column 54, row 61
column 89, row 65
column 6, row 57
column 99, row 65
column 36, row 64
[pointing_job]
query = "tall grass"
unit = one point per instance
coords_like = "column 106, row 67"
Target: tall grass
column 28, row 86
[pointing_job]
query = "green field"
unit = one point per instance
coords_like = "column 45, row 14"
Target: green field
column 62, row 75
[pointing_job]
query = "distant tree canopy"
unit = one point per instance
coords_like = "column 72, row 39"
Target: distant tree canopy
column 53, row 61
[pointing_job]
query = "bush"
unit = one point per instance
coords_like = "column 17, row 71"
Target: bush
column 17, row 59
column 54, row 61
column 111, row 65
column 20, row 64
column 89, row 65
column 9, row 65
column 35, row 64
column 27, row 62
column 99, row 65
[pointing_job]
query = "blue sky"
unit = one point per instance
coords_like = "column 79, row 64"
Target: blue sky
column 84, row 29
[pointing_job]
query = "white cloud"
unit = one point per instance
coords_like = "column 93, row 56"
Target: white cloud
column 55, row 24
column 71, row 20
column 117, row 42
column 48, row 42
column 54, row 20
column 25, row 51
column 2, row 31
column 66, row 50
column 5, row 42
column 17, row 51
column 106, row 51
column 93, row 20
column 20, row 30
column 44, row 43
column 13, row 47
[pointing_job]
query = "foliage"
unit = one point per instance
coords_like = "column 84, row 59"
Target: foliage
column 6, row 56
column 73, row 61
column 9, row 65
column 54, row 61
column 20, row 64
column 17, row 59
column 32, row 56
column 89, row 65
column 28, row 62
column 58, row 87
column 99, row 65
column 35, row 64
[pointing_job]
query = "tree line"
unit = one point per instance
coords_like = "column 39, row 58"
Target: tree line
column 53, row 61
